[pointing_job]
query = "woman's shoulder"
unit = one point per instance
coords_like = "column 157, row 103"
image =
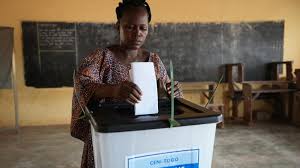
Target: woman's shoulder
column 154, row 57
column 98, row 57
column 98, row 54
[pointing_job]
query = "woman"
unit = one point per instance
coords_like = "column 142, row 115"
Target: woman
column 104, row 74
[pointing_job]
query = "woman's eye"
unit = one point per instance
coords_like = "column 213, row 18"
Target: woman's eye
column 144, row 28
column 130, row 27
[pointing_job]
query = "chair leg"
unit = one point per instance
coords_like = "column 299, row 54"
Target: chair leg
column 247, row 95
column 235, row 105
column 221, row 124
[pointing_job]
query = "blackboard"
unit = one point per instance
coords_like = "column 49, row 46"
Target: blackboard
column 198, row 50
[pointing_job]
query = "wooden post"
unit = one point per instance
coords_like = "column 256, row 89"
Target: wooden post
column 15, row 92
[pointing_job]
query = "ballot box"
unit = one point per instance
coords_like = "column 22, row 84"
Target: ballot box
column 123, row 140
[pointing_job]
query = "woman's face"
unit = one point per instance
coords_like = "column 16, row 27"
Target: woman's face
column 133, row 27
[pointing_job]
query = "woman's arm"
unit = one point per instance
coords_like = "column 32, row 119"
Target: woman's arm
column 86, row 79
column 164, row 80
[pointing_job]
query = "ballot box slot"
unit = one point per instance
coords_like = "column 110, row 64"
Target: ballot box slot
column 126, row 109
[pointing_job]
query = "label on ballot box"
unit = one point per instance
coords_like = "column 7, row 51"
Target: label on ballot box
column 171, row 159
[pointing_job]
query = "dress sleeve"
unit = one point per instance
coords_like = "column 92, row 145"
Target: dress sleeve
column 89, row 75
column 163, row 75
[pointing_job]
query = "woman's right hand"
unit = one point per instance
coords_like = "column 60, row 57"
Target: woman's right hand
column 129, row 92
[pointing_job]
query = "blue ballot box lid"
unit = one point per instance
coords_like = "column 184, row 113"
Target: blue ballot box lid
column 119, row 117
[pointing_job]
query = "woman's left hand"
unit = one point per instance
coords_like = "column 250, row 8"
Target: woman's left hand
column 177, row 89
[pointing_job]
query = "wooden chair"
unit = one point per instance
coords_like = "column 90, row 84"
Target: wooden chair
column 233, row 79
column 248, row 95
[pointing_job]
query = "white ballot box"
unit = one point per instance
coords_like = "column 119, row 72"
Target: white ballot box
column 123, row 140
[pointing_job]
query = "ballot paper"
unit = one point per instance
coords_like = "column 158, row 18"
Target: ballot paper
column 143, row 75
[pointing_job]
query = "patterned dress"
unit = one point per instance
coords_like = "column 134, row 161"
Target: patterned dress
column 100, row 67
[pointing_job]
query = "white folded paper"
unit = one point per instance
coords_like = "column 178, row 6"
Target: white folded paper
column 143, row 75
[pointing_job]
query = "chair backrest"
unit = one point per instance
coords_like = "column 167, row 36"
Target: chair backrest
column 232, row 75
column 274, row 68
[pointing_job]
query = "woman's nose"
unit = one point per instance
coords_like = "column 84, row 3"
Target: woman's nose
column 138, row 32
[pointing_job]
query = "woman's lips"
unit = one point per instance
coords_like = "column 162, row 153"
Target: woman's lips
column 137, row 42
